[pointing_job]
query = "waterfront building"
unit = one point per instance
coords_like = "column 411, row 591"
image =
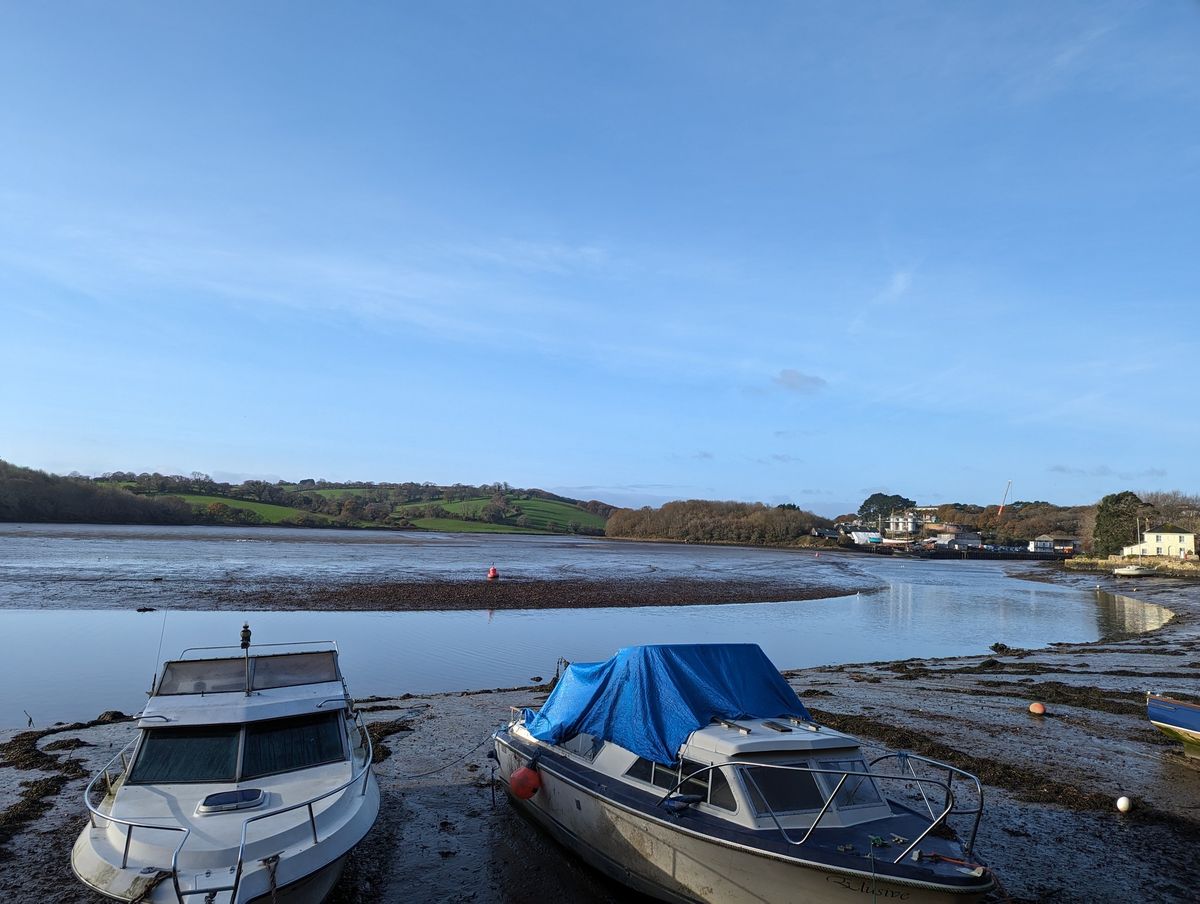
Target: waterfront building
column 1056, row 543
column 1169, row 541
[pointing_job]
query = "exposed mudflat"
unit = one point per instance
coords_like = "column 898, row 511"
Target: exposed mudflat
column 1051, row 829
column 397, row 596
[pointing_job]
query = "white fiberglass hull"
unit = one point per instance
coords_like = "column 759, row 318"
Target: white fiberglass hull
column 305, row 873
column 661, row 859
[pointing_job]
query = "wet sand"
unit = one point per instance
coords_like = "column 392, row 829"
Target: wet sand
column 1050, row 827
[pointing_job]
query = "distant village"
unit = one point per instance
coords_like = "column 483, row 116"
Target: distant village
column 920, row 531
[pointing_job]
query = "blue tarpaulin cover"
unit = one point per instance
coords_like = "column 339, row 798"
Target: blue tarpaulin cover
column 649, row 699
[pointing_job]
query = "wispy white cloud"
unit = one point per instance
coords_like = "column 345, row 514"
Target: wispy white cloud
column 898, row 286
column 1106, row 471
column 795, row 381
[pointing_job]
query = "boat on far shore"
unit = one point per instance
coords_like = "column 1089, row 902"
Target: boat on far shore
column 1134, row 571
column 1177, row 719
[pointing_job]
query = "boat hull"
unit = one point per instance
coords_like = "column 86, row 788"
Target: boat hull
column 656, row 858
column 1176, row 719
column 306, row 873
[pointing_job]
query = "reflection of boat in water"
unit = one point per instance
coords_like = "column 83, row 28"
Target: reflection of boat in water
column 250, row 780
column 1134, row 571
column 1177, row 719
column 637, row 765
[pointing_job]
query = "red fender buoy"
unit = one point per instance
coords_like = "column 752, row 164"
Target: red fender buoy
column 493, row 573
column 524, row 783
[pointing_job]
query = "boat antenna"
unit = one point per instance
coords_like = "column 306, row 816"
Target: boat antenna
column 158, row 655
column 246, row 647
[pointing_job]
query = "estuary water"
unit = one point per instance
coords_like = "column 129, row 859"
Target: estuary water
column 75, row 646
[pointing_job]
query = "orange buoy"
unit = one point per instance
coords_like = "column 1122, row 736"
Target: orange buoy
column 493, row 573
column 1038, row 709
column 524, row 783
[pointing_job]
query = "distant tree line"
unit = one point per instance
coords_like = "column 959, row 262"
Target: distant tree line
column 701, row 521
column 28, row 495
column 153, row 498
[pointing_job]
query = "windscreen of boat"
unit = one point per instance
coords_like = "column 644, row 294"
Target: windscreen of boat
column 855, row 791
column 282, row 745
column 209, row 753
column 203, row 753
column 782, row 791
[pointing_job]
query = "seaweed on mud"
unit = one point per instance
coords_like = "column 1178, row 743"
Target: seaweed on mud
column 21, row 751
column 32, row 804
column 1123, row 703
column 379, row 731
column 523, row 594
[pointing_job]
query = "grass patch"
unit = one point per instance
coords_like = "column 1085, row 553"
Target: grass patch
column 270, row 513
column 538, row 512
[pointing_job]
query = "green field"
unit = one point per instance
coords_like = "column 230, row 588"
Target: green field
column 539, row 512
column 272, row 514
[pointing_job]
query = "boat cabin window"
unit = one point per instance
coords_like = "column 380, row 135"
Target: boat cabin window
column 584, row 745
column 209, row 753
column 202, row 753
column 855, row 792
column 782, row 790
column 712, row 787
column 282, row 745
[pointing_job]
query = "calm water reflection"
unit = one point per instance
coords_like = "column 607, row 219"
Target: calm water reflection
column 68, row 664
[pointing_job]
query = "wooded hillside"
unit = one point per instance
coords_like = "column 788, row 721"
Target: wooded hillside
column 700, row 521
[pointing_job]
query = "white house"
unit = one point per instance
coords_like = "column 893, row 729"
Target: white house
column 902, row 523
column 1055, row 543
column 1168, row 540
column 911, row 520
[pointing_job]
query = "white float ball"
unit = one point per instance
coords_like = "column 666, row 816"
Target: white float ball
column 1124, row 804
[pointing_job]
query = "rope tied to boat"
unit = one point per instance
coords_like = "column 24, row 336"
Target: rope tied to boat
column 272, row 864
column 486, row 738
column 144, row 895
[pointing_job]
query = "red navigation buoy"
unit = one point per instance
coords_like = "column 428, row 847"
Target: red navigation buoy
column 524, row 783
column 493, row 573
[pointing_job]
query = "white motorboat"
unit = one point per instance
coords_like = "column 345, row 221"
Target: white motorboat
column 1134, row 571
column 249, row 781
column 695, row 774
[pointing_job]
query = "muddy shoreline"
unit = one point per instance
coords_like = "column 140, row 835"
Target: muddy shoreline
column 509, row 593
column 1051, row 782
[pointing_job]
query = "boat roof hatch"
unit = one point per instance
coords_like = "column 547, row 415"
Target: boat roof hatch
column 723, row 740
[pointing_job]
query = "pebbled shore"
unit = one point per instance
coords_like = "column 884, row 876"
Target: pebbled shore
column 1050, row 828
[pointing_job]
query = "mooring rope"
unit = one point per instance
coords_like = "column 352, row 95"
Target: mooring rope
column 486, row 738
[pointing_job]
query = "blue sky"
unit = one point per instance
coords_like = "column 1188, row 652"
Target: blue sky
column 793, row 252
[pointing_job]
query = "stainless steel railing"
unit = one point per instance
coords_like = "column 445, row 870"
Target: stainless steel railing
column 742, row 768
column 93, row 812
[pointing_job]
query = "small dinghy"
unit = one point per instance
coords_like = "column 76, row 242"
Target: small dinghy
column 694, row 773
column 249, row 781
column 1134, row 571
column 1177, row 719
